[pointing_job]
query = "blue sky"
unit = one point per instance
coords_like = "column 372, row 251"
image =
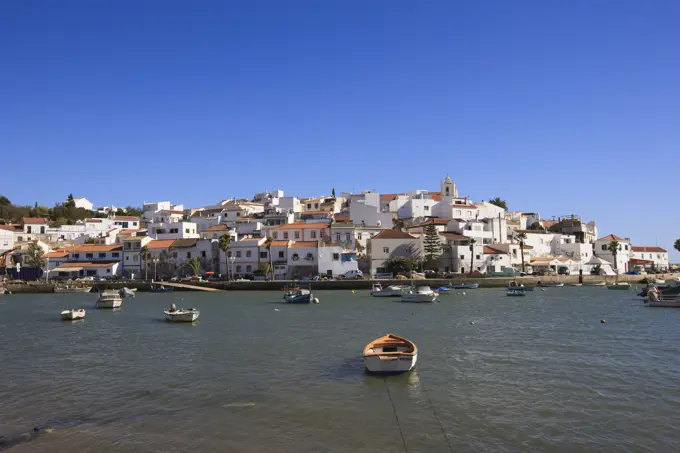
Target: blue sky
column 559, row 107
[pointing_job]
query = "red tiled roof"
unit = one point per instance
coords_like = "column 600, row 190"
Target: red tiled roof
column 93, row 220
column 304, row 244
column 436, row 221
column 125, row 217
column 455, row 236
column 56, row 254
column 393, row 234
column 94, row 248
column 10, row 227
column 88, row 264
column 220, row 227
column 128, row 232
column 611, row 237
column 279, row 243
column 437, row 196
column 492, row 251
column 642, row 248
column 639, row 261
column 35, row 220
column 464, row 206
column 160, row 244
column 301, row 226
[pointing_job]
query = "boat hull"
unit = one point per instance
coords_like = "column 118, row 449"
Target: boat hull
column 470, row 286
column 73, row 290
column 551, row 285
column 182, row 317
column 72, row 315
column 619, row 287
column 515, row 294
column 109, row 303
column 664, row 304
column 419, row 298
column 392, row 365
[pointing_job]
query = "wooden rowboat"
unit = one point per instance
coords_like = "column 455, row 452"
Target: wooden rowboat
column 390, row 355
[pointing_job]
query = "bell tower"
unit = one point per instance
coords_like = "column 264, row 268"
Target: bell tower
column 449, row 189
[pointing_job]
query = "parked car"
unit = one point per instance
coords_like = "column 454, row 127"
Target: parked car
column 563, row 270
column 353, row 275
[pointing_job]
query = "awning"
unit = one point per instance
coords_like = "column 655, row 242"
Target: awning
column 639, row 261
column 67, row 269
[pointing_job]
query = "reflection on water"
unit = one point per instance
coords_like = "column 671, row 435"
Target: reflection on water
column 538, row 373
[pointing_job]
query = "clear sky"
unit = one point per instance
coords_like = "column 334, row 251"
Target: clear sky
column 558, row 107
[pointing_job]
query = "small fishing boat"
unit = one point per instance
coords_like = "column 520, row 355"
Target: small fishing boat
column 72, row 289
column 160, row 289
column 390, row 355
column 514, row 286
column 302, row 296
column 444, row 289
column 597, row 284
column 127, row 292
column 515, row 293
column 388, row 291
column 419, row 294
column 290, row 289
column 464, row 286
column 73, row 314
column 664, row 303
column 109, row 299
column 550, row 284
column 174, row 314
column 619, row 286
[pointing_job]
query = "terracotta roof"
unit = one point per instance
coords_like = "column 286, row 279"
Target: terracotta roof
column 341, row 217
column 34, row 220
column 10, row 227
column 389, row 196
column 279, row 243
column 125, row 217
column 301, row 226
column 549, row 258
column 436, row 221
column 549, row 223
column 641, row 248
column 93, row 220
column 634, row 261
column 393, row 234
column 220, row 227
column 456, row 236
column 175, row 212
column 611, row 237
column 88, row 264
column 464, row 206
column 492, row 251
column 437, row 196
column 184, row 243
column 134, row 238
column 56, row 254
column 160, row 244
column 94, row 248
column 304, row 244
column 128, row 232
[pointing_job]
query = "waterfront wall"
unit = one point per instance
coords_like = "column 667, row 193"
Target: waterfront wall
column 489, row 282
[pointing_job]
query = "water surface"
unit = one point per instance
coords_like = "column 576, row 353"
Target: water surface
column 533, row 374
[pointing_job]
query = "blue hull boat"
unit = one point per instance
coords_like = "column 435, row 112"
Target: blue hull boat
column 465, row 286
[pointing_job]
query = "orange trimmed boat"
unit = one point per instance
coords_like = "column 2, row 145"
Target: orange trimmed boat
column 390, row 355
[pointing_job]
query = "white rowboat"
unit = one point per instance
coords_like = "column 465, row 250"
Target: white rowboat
column 73, row 314
column 390, row 354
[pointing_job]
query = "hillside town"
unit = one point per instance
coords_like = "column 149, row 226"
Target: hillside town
column 287, row 237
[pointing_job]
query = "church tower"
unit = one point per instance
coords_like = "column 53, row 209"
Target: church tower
column 449, row 189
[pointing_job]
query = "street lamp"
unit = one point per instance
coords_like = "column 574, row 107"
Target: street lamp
column 232, row 259
column 155, row 268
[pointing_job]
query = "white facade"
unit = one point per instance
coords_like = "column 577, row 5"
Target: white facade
column 416, row 208
column 297, row 231
column 246, row 256
column 392, row 244
column 303, row 258
column 176, row 230
column 289, row 204
column 368, row 211
column 335, row 260
column 6, row 240
column 657, row 256
column 83, row 203
column 622, row 257
column 149, row 209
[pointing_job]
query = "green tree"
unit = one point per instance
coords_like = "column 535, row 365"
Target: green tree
column 397, row 224
column 613, row 248
column 499, row 202
column 400, row 265
column 676, row 246
column 536, row 226
column 432, row 246
column 265, row 268
column 4, row 201
column 333, row 192
column 146, row 258
column 225, row 244
column 195, row 265
column 472, row 254
column 33, row 257
column 70, row 202
column 268, row 246
column 522, row 237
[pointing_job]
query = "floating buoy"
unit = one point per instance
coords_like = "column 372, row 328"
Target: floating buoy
column 276, row 309
column 472, row 323
column 464, row 293
column 316, row 299
column 352, row 291
column 602, row 321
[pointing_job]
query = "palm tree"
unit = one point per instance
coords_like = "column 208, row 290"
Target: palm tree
column 268, row 246
column 613, row 248
column 522, row 237
column 265, row 268
column 195, row 265
column 472, row 254
column 144, row 254
column 676, row 246
column 225, row 244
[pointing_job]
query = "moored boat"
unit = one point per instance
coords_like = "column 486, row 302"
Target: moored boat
column 597, row 284
column 160, row 289
column 619, row 286
column 73, row 314
column 72, row 289
column 419, row 294
column 302, row 296
column 390, row 354
column 388, row 291
column 550, row 284
column 464, row 286
column 109, row 299
column 175, row 314
column 515, row 293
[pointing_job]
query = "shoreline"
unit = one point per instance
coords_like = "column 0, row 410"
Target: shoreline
column 261, row 285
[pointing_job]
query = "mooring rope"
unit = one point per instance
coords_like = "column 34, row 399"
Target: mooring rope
column 403, row 439
column 441, row 425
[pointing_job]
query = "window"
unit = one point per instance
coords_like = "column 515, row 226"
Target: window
column 313, row 234
column 229, row 254
column 186, row 230
column 478, row 257
column 427, row 208
column 249, row 253
column 203, row 254
column 263, row 254
column 188, row 254
column 174, row 255
column 285, row 235
column 275, row 235
column 28, row 229
column 336, row 257
column 89, row 255
column 108, row 271
column 238, row 254
column 115, row 255
column 174, row 230
column 322, row 233
column 76, row 255
column 281, row 254
column 337, row 237
column 102, row 255
column 462, row 257
column 604, row 246
column 309, row 206
column 459, row 212
column 42, row 230
column 20, row 239
column 386, row 250
column 309, row 257
column 297, row 235
column 359, row 236
column 127, row 258
column 347, row 237
column 238, row 268
column 249, row 268
column 135, row 258
column 625, row 246
column 316, row 205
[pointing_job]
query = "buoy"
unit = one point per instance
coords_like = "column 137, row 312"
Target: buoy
column 276, row 309
column 472, row 323
column 464, row 293
column 316, row 300
column 602, row 321
column 352, row 291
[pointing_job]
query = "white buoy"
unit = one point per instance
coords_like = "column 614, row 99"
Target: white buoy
column 464, row 293
column 316, row 300
column 276, row 309
column 472, row 323
column 603, row 321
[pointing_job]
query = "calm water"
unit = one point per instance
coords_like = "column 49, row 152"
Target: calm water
column 533, row 374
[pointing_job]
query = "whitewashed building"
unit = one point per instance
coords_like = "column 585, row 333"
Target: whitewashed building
column 650, row 257
column 368, row 211
column 620, row 265
column 83, row 203
column 390, row 244
column 335, row 260
column 174, row 230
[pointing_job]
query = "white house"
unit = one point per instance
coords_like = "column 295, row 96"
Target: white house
column 6, row 238
column 246, row 256
column 206, row 251
column 299, row 231
column 174, row 230
column 303, row 258
column 335, row 260
column 83, row 203
column 601, row 249
column 133, row 261
column 368, row 211
column 390, row 244
column 35, row 225
column 150, row 209
column 85, row 260
column 649, row 256
column 126, row 221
